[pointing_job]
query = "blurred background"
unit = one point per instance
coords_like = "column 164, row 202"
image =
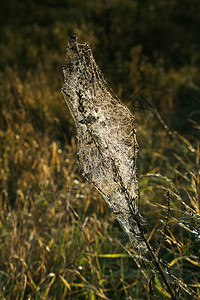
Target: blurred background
column 149, row 46
column 54, row 227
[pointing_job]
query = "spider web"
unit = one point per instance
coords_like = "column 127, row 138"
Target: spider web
column 106, row 138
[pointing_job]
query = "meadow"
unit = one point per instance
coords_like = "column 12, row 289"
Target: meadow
column 58, row 238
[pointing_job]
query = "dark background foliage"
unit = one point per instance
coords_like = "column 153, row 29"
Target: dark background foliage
column 32, row 36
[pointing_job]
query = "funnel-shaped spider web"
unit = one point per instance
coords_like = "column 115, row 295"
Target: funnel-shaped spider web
column 106, row 137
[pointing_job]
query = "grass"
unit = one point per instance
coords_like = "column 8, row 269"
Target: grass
column 58, row 239
column 54, row 226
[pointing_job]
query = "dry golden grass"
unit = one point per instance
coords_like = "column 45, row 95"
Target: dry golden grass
column 58, row 239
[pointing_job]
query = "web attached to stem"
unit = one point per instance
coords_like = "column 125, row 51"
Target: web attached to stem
column 106, row 137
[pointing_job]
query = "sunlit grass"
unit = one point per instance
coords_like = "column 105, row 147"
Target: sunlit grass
column 58, row 239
